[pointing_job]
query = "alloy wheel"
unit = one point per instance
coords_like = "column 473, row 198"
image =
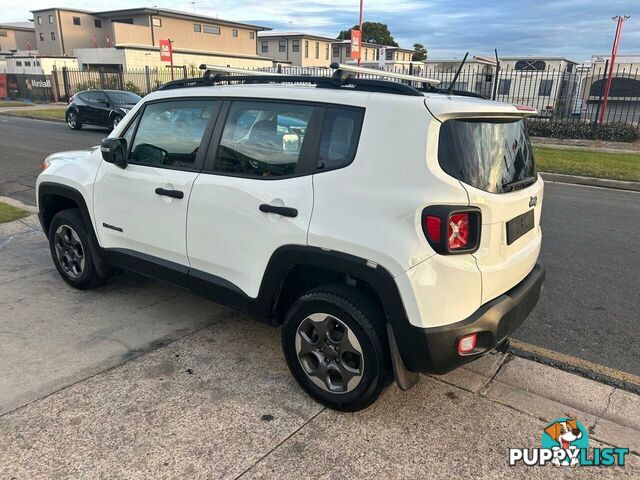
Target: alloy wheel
column 69, row 251
column 329, row 353
column 71, row 120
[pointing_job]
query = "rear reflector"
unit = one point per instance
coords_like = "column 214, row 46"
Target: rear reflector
column 434, row 225
column 467, row 344
column 458, row 231
column 525, row 108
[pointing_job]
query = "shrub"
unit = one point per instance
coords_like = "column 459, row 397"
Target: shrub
column 614, row 132
column 133, row 88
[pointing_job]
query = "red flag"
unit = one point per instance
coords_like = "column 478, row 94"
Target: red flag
column 356, row 40
column 95, row 41
column 166, row 51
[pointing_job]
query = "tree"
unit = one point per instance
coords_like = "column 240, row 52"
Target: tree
column 372, row 32
column 419, row 52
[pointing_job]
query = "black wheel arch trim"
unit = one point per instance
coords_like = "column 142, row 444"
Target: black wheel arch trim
column 46, row 189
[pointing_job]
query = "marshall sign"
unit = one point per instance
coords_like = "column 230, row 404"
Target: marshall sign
column 30, row 87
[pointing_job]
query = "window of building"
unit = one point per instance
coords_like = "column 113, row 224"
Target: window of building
column 157, row 22
column 252, row 35
column 197, row 27
column 389, row 55
column 504, row 87
column 170, row 133
column 50, row 19
column 41, row 37
column 544, row 90
column 326, row 52
column 317, row 50
column 39, row 20
column 347, row 51
column 76, row 20
column 3, row 33
column 27, row 64
column 18, row 63
column 53, row 35
column 262, row 139
column 264, row 46
column 340, row 136
column 620, row 87
column 211, row 29
column 97, row 23
column 306, row 49
column 295, row 45
column 530, row 65
column 282, row 46
column 234, row 33
column 128, row 21
column 37, row 63
column 336, row 51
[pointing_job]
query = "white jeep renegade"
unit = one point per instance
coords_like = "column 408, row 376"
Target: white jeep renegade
column 390, row 230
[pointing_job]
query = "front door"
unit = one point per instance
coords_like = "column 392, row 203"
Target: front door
column 255, row 194
column 141, row 210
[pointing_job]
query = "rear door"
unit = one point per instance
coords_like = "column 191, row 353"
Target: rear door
column 493, row 159
column 95, row 109
column 255, row 193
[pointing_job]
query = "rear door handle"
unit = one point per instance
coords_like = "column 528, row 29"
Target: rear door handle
column 170, row 193
column 284, row 211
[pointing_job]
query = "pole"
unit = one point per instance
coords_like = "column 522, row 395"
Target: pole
column 171, row 57
column 614, row 52
column 495, row 83
column 360, row 28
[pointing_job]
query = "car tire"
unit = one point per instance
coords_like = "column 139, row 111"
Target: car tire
column 115, row 120
column 69, row 245
column 334, row 342
column 73, row 122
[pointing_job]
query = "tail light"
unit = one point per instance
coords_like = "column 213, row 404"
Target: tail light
column 452, row 229
column 71, row 98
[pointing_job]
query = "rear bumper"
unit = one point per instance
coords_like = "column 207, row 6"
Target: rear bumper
column 435, row 350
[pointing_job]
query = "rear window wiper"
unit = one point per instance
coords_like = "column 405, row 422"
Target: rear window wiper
column 517, row 184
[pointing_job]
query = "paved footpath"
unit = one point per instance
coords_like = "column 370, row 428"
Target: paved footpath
column 140, row 380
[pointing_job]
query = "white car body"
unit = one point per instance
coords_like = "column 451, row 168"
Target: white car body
column 370, row 209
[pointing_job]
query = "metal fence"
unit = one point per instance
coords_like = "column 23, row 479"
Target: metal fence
column 574, row 94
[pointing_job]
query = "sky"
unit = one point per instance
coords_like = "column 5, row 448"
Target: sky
column 575, row 29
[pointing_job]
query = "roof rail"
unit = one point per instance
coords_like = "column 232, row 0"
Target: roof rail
column 383, row 73
column 215, row 74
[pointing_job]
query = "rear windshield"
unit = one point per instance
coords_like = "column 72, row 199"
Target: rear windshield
column 492, row 155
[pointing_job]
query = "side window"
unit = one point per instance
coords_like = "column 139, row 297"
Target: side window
column 131, row 128
column 262, row 139
column 339, row 138
column 169, row 133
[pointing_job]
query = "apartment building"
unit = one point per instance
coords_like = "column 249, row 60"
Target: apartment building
column 16, row 37
column 298, row 49
column 394, row 58
column 130, row 37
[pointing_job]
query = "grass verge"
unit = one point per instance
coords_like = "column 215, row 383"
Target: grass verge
column 617, row 166
column 10, row 103
column 9, row 213
column 43, row 113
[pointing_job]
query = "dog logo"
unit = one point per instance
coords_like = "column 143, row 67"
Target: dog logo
column 533, row 201
column 565, row 434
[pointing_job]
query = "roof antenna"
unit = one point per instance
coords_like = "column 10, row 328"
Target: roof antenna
column 450, row 89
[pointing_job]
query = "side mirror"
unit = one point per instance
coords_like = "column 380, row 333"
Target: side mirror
column 114, row 150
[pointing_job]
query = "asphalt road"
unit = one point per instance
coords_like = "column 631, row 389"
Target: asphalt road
column 24, row 144
column 589, row 308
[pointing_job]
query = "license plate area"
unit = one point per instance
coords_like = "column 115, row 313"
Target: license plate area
column 518, row 226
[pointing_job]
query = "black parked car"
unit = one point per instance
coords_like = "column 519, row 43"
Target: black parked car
column 104, row 108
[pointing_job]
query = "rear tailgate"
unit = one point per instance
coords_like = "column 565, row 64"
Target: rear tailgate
column 484, row 145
